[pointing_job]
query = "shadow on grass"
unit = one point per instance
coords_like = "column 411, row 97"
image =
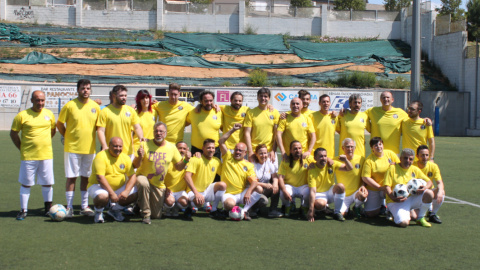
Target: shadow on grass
column 376, row 221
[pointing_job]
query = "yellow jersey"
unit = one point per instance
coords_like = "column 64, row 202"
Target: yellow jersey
column 236, row 174
column 351, row 180
column 376, row 167
column 36, row 133
column 324, row 126
column 296, row 176
column 387, row 125
column 205, row 125
column 147, row 121
column 203, row 171
column 295, row 128
column 263, row 123
column 323, row 178
column 175, row 179
column 80, row 120
column 174, row 116
column 115, row 169
column 118, row 122
column 156, row 162
column 231, row 117
column 431, row 170
column 398, row 175
column 415, row 133
column 307, row 111
column 353, row 126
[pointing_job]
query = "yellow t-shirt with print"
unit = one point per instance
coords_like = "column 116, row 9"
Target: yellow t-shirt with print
column 387, row 125
column 398, row 175
column 156, row 162
column 147, row 121
column 375, row 167
column 295, row 128
column 80, row 120
column 205, row 125
column 203, row 171
column 263, row 123
column 115, row 169
column 324, row 126
column 118, row 122
column 431, row 170
column 236, row 173
column 353, row 126
column 296, row 176
column 323, row 178
column 351, row 180
column 174, row 116
column 415, row 133
column 231, row 117
column 36, row 133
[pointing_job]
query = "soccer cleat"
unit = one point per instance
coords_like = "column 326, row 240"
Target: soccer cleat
column 339, row 217
column 194, row 210
column 98, row 217
column 218, row 214
column 69, row 213
column 188, row 213
column 328, row 211
column 423, row 222
column 357, row 211
column 275, row 214
column 128, row 210
column 48, row 205
column 435, row 219
column 208, row 208
column 21, row 215
column 167, row 212
column 383, row 210
column 246, row 216
column 147, row 220
column 174, row 211
column 389, row 216
column 116, row 214
column 287, row 211
column 87, row 211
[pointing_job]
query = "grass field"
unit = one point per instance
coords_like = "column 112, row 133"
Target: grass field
column 203, row 243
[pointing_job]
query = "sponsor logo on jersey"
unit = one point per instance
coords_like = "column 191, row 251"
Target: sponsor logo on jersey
column 153, row 118
column 362, row 120
column 128, row 114
column 271, row 117
column 330, row 170
column 304, row 124
column 180, row 108
column 430, row 174
column 389, row 160
column 333, row 121
column 243, row 114
column 422, row 127
column 213, row 169
column 395, row 116
column 357, row 166
column 46, row 118
column 245, row 168
column 305, row 165
column 122, row 166
column 413, row 174
column 94, row 110
column 214, row 117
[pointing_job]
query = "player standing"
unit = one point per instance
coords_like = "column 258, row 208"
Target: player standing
column 232, row 114
column 146, row 115
column 324, row 123
column 414, row 130
column 306, row 98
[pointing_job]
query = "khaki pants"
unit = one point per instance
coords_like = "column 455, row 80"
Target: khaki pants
column 150, row 198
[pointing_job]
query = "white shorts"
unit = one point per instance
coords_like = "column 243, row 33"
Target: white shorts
column 77, row 164
column 401, row 211
column 238, row 198
column 208, row 194
column 178, row 195
column 374, row 200
column 326, row 196
column 347, row 202
column 299, row 192
column 96, row 190
column 43, row 169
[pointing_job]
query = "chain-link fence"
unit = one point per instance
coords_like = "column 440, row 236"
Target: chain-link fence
column 366, row 15
column 424, row 8
column 470, row 51
column 444, row 25
column 41, row 2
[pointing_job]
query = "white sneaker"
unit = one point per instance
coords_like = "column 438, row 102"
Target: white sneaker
column 116, row 214
column 69, row 213
column 98, row 217
column 87, row 211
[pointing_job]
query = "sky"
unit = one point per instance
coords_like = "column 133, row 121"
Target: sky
column 438, row 2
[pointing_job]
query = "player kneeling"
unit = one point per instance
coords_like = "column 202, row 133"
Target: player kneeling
column 401, row 206
column 322, row 184
column 113, row 180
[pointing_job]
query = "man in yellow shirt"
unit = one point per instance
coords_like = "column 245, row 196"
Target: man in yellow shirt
column 353, row 123
column 153, row 160
column 37, row 127
column 306, row 98
column 431, row 170
column 200, row 177
column 296, row 127
column 260, row 126
column 232, row 114
column 292, row 178
column 112, row 180
column 324, row 123
column 80, row 117
column 239, row 176
column 322, row 187
column 414, row 130
column 206, row 124
column 401, row 207
column 355, row 192
column 117, row 120
column 173, row 113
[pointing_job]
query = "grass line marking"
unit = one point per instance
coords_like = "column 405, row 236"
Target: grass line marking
column 463, row 202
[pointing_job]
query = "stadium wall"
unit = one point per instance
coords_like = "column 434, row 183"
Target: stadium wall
column 361, row 29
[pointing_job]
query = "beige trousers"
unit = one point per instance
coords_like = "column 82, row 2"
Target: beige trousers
column 150, row 198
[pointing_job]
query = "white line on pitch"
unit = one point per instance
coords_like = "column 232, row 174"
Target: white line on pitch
column 463, row 202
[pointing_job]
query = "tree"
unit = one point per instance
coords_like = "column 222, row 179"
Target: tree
column 473, row 19
column 301, row 3
column 452, row 7
column 350, row 4
column 396, row 5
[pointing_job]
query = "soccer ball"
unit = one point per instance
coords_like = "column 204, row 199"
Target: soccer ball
column 400, row 191
column 236, row 213
column 415, row 184
column 57, row 212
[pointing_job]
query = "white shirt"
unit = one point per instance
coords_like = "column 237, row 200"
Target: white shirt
column 264, row 171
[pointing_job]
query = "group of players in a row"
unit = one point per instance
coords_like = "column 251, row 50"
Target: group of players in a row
column 146, row 163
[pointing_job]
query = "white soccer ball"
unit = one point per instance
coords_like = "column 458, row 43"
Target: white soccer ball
column 414, row 184
column 400, row 191
column 57, row 212
column 236, row 213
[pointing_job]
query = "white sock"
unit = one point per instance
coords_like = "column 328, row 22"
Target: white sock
column 423, row 210
column 358, row 203
column 169, row 207
column 24, row 196
column 98, row 209
column 436, row 206
column 69, row 195
column 338, row 200
column 84, row 195
column 253, row 199
column 218, row 198
column 47, row 193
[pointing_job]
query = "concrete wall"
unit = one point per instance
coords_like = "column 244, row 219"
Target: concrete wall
column 474, row 96
column 119, row 19
column 293, row 26
column 201, row 23
column 52, row 15
column 360, row 29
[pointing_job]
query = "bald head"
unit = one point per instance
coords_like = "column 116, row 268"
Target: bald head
column 239, row 151
column 296, row 106
column 38, row 100
column 115, row 146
